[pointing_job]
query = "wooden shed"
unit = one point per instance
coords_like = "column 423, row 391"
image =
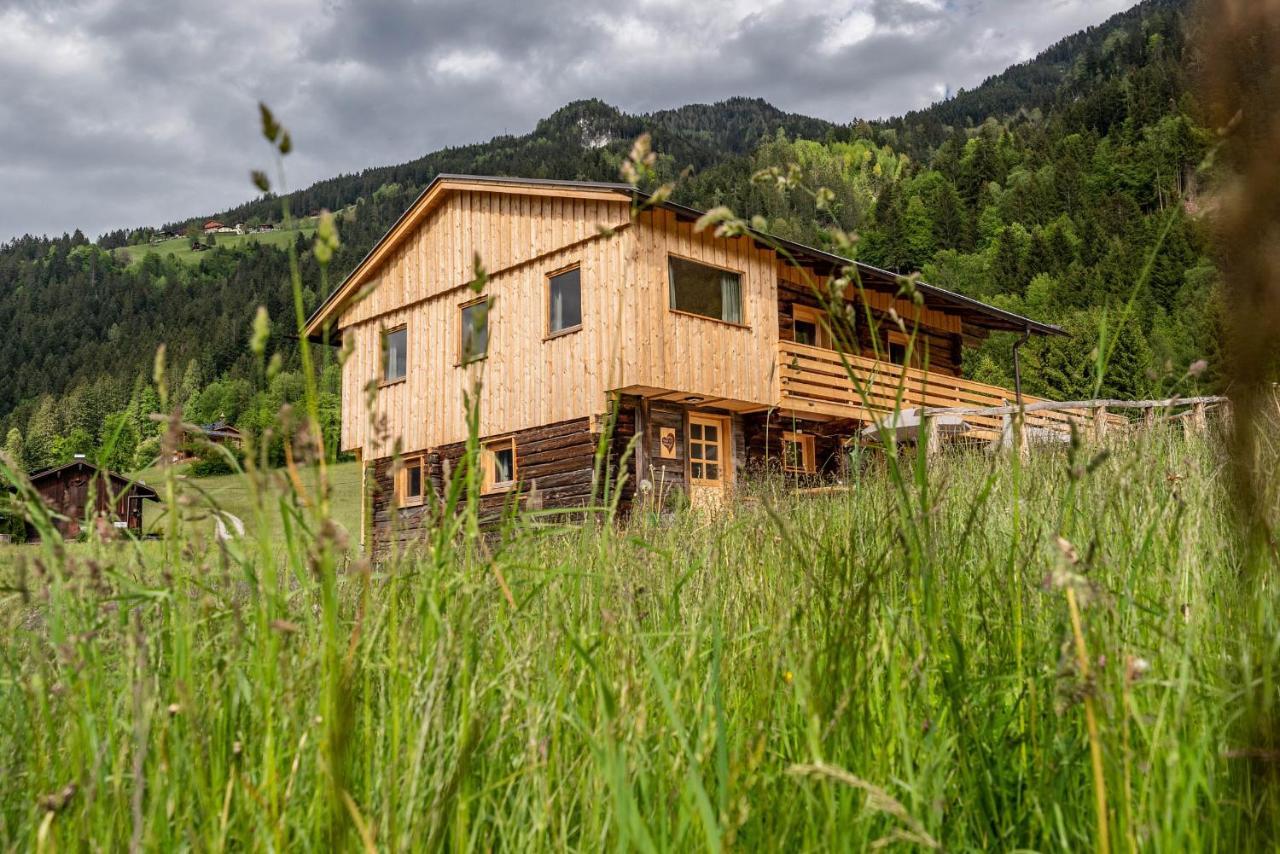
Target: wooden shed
column 66, row 490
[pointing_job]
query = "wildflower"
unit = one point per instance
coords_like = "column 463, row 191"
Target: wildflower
column 57, row 801
column 788, row 676
column 174, row 709
column 1135, row 668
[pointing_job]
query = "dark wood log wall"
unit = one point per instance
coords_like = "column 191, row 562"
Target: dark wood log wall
column 943, row 350
column 555, row 465
column 763, row 437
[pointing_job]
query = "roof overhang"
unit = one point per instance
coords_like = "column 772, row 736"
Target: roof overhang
column 322, row 321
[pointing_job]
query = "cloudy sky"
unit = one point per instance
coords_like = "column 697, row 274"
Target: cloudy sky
column 131, row 112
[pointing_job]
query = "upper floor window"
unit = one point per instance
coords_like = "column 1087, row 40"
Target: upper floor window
column 473, row 337
column 708, row 291
column 394, row 354
column 807, row 324
column 564, row 301
column 902, row 351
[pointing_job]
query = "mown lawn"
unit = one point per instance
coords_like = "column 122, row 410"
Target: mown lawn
column 912, row 663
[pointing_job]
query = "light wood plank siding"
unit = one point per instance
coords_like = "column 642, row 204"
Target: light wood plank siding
column 698, row 355
column 629, row 337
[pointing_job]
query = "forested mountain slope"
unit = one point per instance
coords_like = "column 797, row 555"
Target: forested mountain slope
column 1045, row 189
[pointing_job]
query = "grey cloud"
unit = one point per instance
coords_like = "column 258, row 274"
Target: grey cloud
column 117, row 113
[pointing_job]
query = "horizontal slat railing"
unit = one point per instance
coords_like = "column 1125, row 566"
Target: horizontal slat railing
column 816, row 381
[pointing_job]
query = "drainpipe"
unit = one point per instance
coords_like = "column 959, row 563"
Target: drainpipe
column 1017, row 365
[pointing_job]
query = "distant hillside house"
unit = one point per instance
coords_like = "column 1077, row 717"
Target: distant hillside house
column 212, row 226
column 66, row 490
column 217, row 433
column 222, row 433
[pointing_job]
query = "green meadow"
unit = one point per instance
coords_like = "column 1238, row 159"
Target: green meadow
column 977, row 654
column 180, row 247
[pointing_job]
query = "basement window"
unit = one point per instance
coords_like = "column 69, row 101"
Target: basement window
column 473, row 334
column 412, row 482
column 395, row 357
column 798, row 453
column 564, row 301
column 499, row 465
column 703, row 290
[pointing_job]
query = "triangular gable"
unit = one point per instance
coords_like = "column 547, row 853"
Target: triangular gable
column 431, row 199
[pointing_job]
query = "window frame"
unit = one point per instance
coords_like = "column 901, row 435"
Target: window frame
column 742, row 304
column 548, row 332
column 808, row 455
column 811, row 315
column 384, row 380
column 896, row 338
column 463, row 361
column 488, row 467
column 407, row 463
column 724, row 448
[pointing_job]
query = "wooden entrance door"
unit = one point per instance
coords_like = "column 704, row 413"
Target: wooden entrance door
column 709, row 462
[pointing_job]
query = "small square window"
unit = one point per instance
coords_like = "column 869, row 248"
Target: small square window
column 499, row 465
column 394, row 354
column 902, row 350
column 412, row 482
column 798, row 453
column 808, row 327
column 474, row 332
column 564, row 301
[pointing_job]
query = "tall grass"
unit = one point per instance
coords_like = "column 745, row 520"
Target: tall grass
column 796, row 673
column 1056, row 652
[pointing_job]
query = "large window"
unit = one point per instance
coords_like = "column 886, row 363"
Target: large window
column 473, row 339
column 499, row 465
column 564, row 301
column 708, row 291
column 394, row 354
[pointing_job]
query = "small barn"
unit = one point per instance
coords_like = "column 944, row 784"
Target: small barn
column 66, row 490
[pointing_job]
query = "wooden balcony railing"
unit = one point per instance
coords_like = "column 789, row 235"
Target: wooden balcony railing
column 815, row 381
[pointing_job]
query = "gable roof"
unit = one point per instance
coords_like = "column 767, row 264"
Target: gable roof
column 980, row 313
column 138, row 487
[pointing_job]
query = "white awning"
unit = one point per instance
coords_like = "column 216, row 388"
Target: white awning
column 905, row 425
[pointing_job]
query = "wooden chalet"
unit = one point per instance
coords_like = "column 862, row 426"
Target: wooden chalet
column 66, row 489
column 715, row 350
column 222, row 433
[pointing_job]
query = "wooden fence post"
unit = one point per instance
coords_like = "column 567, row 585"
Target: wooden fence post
column 933, row 441
column 1099, row 414
column 1149, row 417
column 1197, row 421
